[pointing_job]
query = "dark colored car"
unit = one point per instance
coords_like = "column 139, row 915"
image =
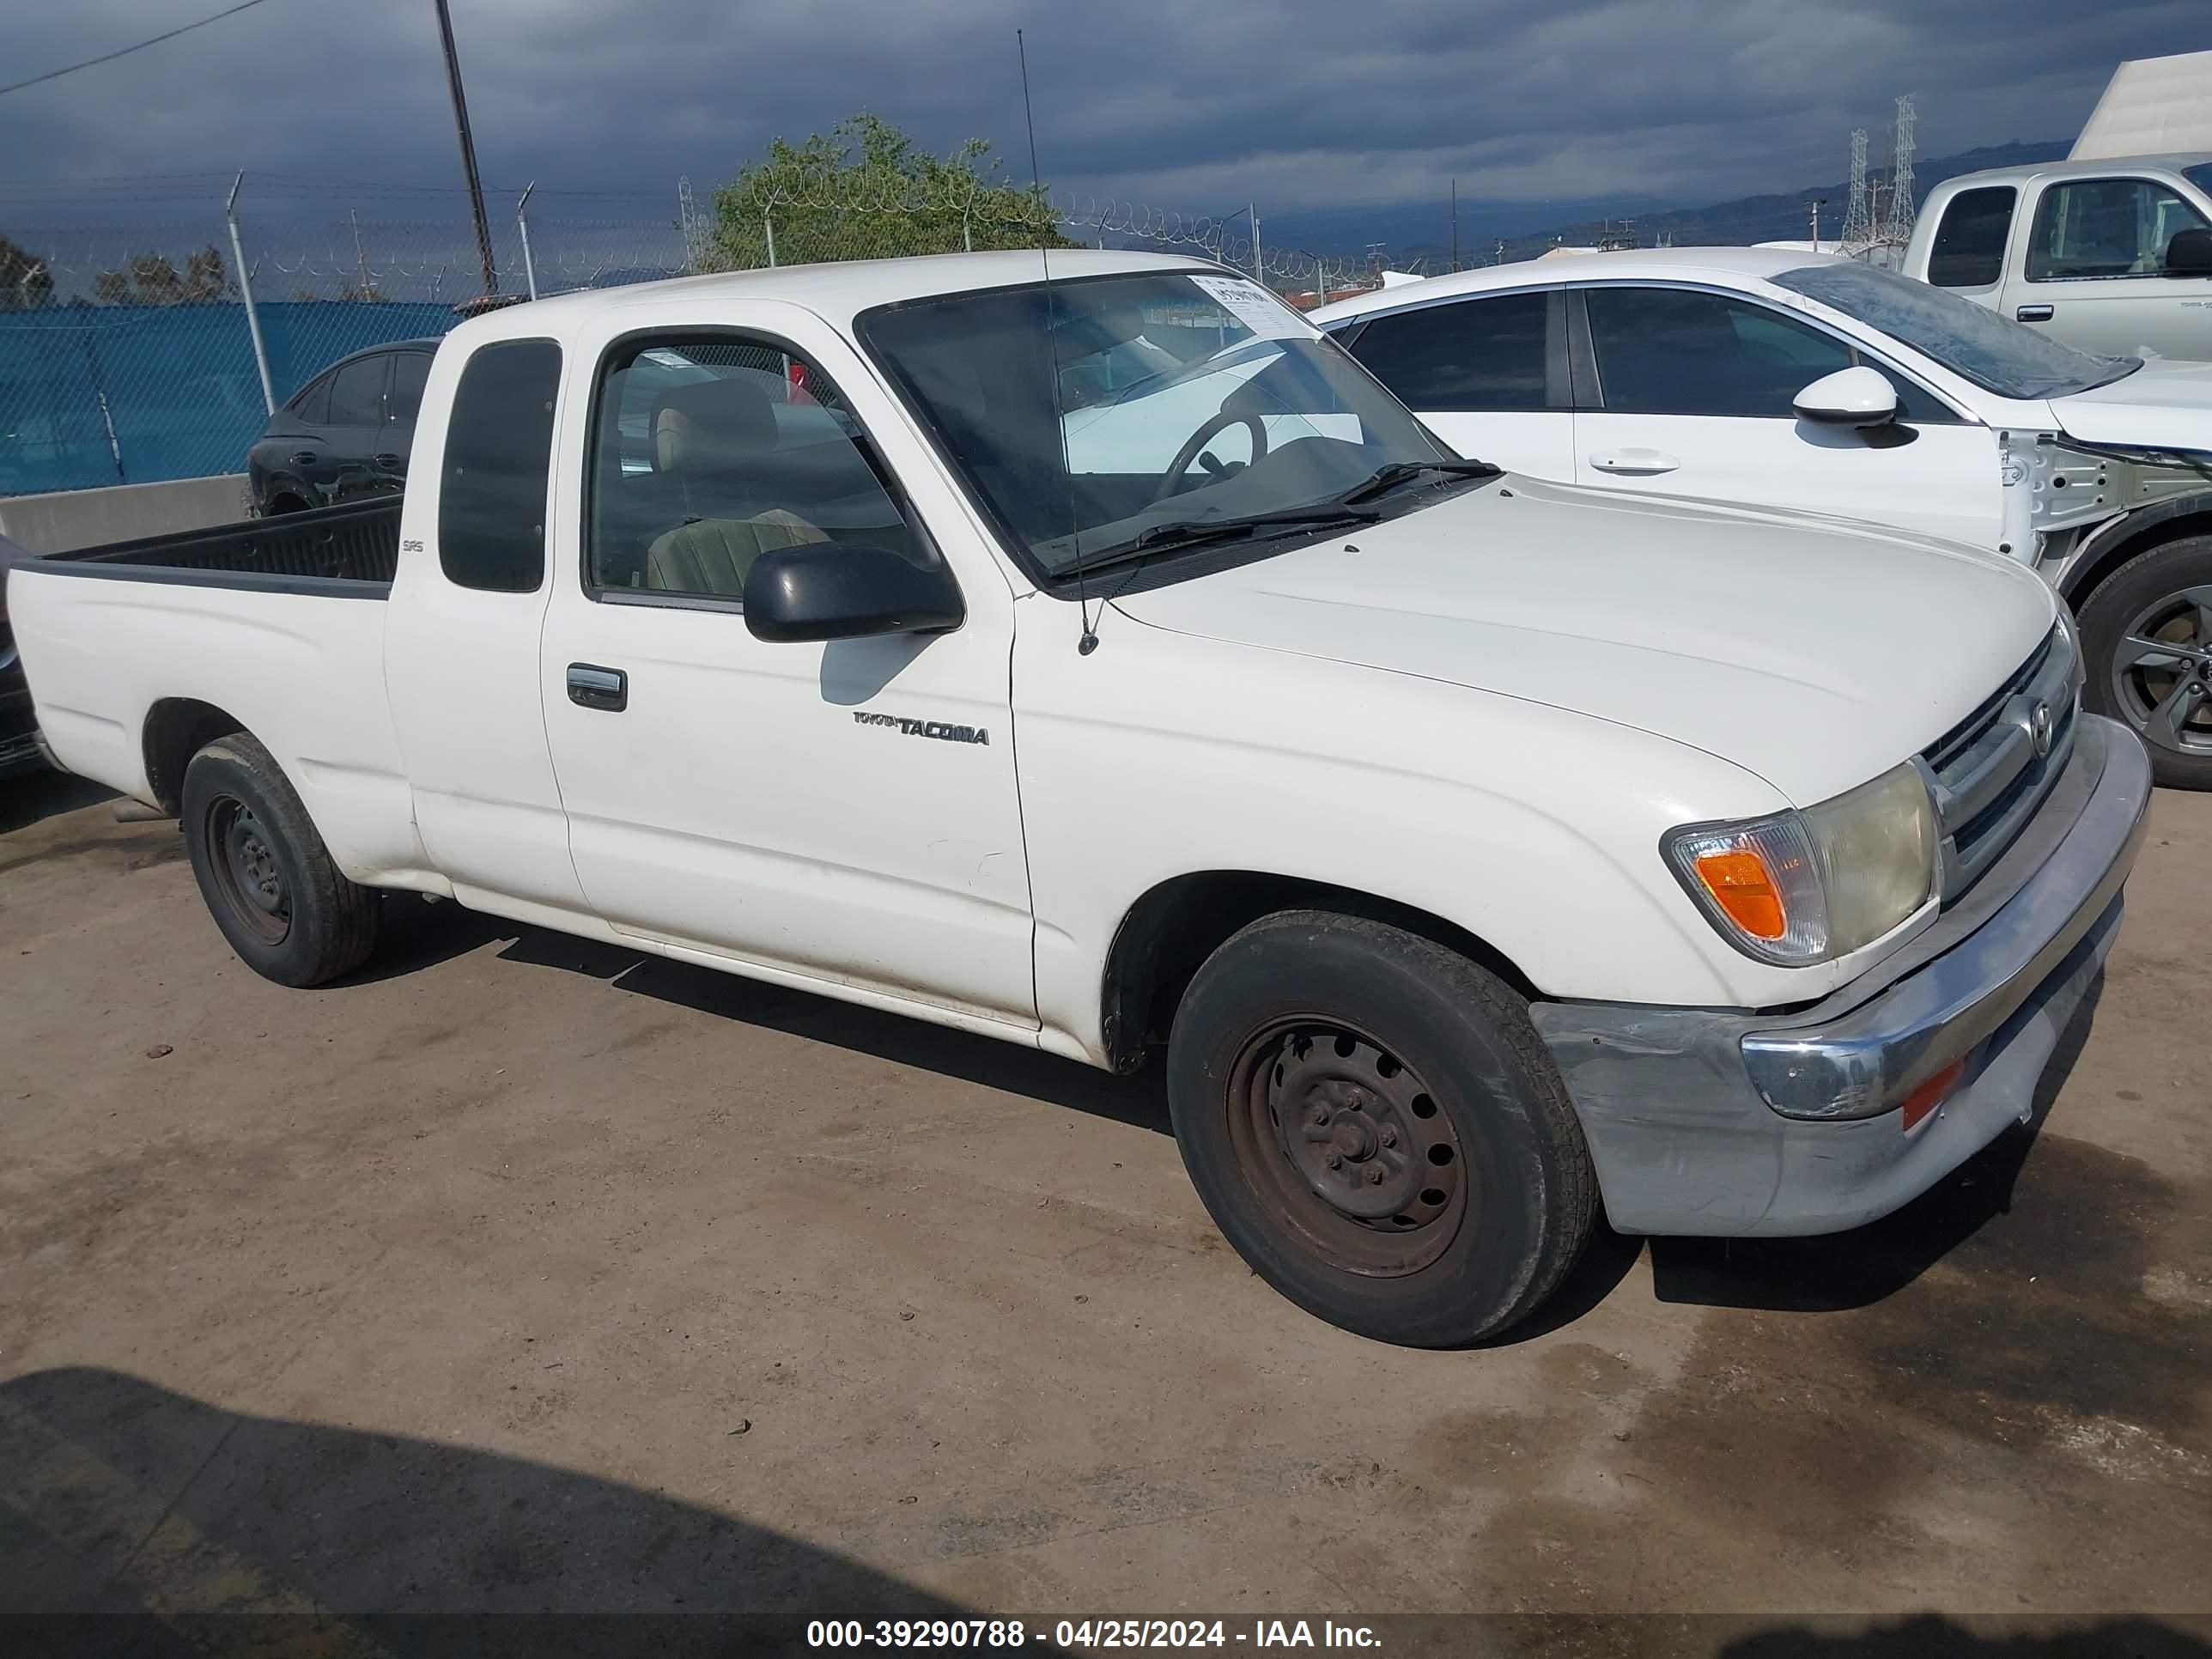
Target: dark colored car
column 19, row 741
column 344, row 436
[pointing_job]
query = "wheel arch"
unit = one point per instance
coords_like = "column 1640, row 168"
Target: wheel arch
column 1167, row 933
column 2133, row 536
column 177, row 728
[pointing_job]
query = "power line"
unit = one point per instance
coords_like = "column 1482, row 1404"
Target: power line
column 125, row 51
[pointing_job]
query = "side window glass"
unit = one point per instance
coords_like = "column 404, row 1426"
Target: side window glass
column 410, row 371
column 1671, row 351
column 710, row 451
column 313, row 406
column 357, row 391
column 499, row 450
column 1473, row 356
column 2106, row 228
column 1970, row 242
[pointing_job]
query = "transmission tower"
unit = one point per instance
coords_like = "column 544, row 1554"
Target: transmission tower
column 695, row 233
column 1901, row 194
column 1858, row 220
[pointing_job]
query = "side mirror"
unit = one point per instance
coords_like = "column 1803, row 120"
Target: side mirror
column 1849, row 397
column 2190, row 253
column 830, row 591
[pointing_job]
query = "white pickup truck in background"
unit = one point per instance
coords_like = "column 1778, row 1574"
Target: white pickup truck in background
column 2111, row 256
column 1480, row 849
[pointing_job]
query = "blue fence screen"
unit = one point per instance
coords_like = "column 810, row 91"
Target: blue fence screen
column 93, row 395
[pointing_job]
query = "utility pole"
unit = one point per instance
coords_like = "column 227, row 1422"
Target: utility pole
column 1818, row 202
column 1454, row 223
column 468, row 148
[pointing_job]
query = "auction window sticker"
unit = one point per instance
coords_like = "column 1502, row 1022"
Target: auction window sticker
column 1257, row 309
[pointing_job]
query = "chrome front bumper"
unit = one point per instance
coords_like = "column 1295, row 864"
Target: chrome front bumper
column 1713, row 1122
column 1850, row 1064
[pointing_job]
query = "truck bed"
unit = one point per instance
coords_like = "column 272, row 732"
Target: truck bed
column 275, row 626
column 356, row 543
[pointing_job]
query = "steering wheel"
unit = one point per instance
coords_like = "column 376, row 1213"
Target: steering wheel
column 1191, row 449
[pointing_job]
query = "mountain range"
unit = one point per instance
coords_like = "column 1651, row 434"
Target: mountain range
column 1418, row 232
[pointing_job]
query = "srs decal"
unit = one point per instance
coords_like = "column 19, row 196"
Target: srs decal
column 937, row 729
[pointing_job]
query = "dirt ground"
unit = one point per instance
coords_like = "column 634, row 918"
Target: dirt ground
column 518, row 1274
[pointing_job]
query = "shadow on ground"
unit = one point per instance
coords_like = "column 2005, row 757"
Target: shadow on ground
column 32, row 798
column 137, row 1520
column 1819, row 1274
column 419, row 936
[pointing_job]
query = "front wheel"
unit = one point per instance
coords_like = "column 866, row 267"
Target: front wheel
column 1373, row 1122
column 2147, row 656
column 284, row 905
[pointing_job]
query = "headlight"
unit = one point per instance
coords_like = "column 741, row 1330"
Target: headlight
column 1808, row 886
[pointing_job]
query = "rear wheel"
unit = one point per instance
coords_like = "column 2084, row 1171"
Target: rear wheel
column 1374, row 1123
column 2147, row 650
column 286, row 907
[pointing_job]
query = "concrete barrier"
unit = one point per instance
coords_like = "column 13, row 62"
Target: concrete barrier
column 71, row 518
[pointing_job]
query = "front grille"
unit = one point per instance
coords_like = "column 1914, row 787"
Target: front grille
column 1988, row 773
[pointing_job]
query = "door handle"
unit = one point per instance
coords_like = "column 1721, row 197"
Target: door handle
column 304, row 458
column 387, row 458
column 592, row 687
column 1634, row 462
column 2032, row 313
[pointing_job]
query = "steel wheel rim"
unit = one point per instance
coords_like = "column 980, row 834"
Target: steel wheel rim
column 2162, row 672
column 1349, row 1146
column 246, row 871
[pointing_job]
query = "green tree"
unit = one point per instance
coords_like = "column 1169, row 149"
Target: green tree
column 24, row 281
column 865, row 191
column 152, row 279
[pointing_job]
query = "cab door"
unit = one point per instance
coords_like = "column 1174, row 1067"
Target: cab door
column 1689, row 391
column 2094, row 274
column 841, row 814
column 461, row 651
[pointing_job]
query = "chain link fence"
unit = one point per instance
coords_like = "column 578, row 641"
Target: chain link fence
column 138, row 350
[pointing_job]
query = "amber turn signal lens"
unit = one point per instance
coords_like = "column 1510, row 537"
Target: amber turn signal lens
column 1745, row 889
column 1933, row 1093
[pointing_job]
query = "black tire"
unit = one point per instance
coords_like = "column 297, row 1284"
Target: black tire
column 2166, row 698
column 269, row 882
column 1441, row 1056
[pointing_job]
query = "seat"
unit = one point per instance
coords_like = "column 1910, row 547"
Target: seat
column 712, row 555
column 716, row 432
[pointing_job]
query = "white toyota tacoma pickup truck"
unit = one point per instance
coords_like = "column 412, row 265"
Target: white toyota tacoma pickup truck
column 1481, row 850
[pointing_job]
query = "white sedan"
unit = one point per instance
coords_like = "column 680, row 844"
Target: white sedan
column 1776, row 377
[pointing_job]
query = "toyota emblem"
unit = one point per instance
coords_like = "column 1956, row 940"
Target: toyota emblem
column 2038, row 728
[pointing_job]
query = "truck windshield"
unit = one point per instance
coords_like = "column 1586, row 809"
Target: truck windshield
column 1991, row 349
column 1094, row 410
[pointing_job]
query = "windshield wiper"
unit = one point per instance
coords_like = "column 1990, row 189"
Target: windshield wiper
column 1182, row 533
column 1387, row 478
column 1179, row 533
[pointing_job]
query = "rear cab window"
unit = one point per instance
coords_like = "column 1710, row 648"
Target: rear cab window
column 497, row 467
column 1970, row 241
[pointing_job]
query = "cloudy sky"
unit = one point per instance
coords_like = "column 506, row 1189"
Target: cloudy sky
column 1187, row 106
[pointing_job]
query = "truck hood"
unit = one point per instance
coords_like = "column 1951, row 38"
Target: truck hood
column 2165, row 404
column 1813, row 652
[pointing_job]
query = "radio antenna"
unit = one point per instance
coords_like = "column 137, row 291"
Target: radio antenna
column 1088, row 641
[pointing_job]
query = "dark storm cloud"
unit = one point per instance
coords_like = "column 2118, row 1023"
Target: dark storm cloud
column 1181, row 105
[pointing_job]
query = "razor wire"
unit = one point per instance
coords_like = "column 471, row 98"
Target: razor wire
column 136, row 349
